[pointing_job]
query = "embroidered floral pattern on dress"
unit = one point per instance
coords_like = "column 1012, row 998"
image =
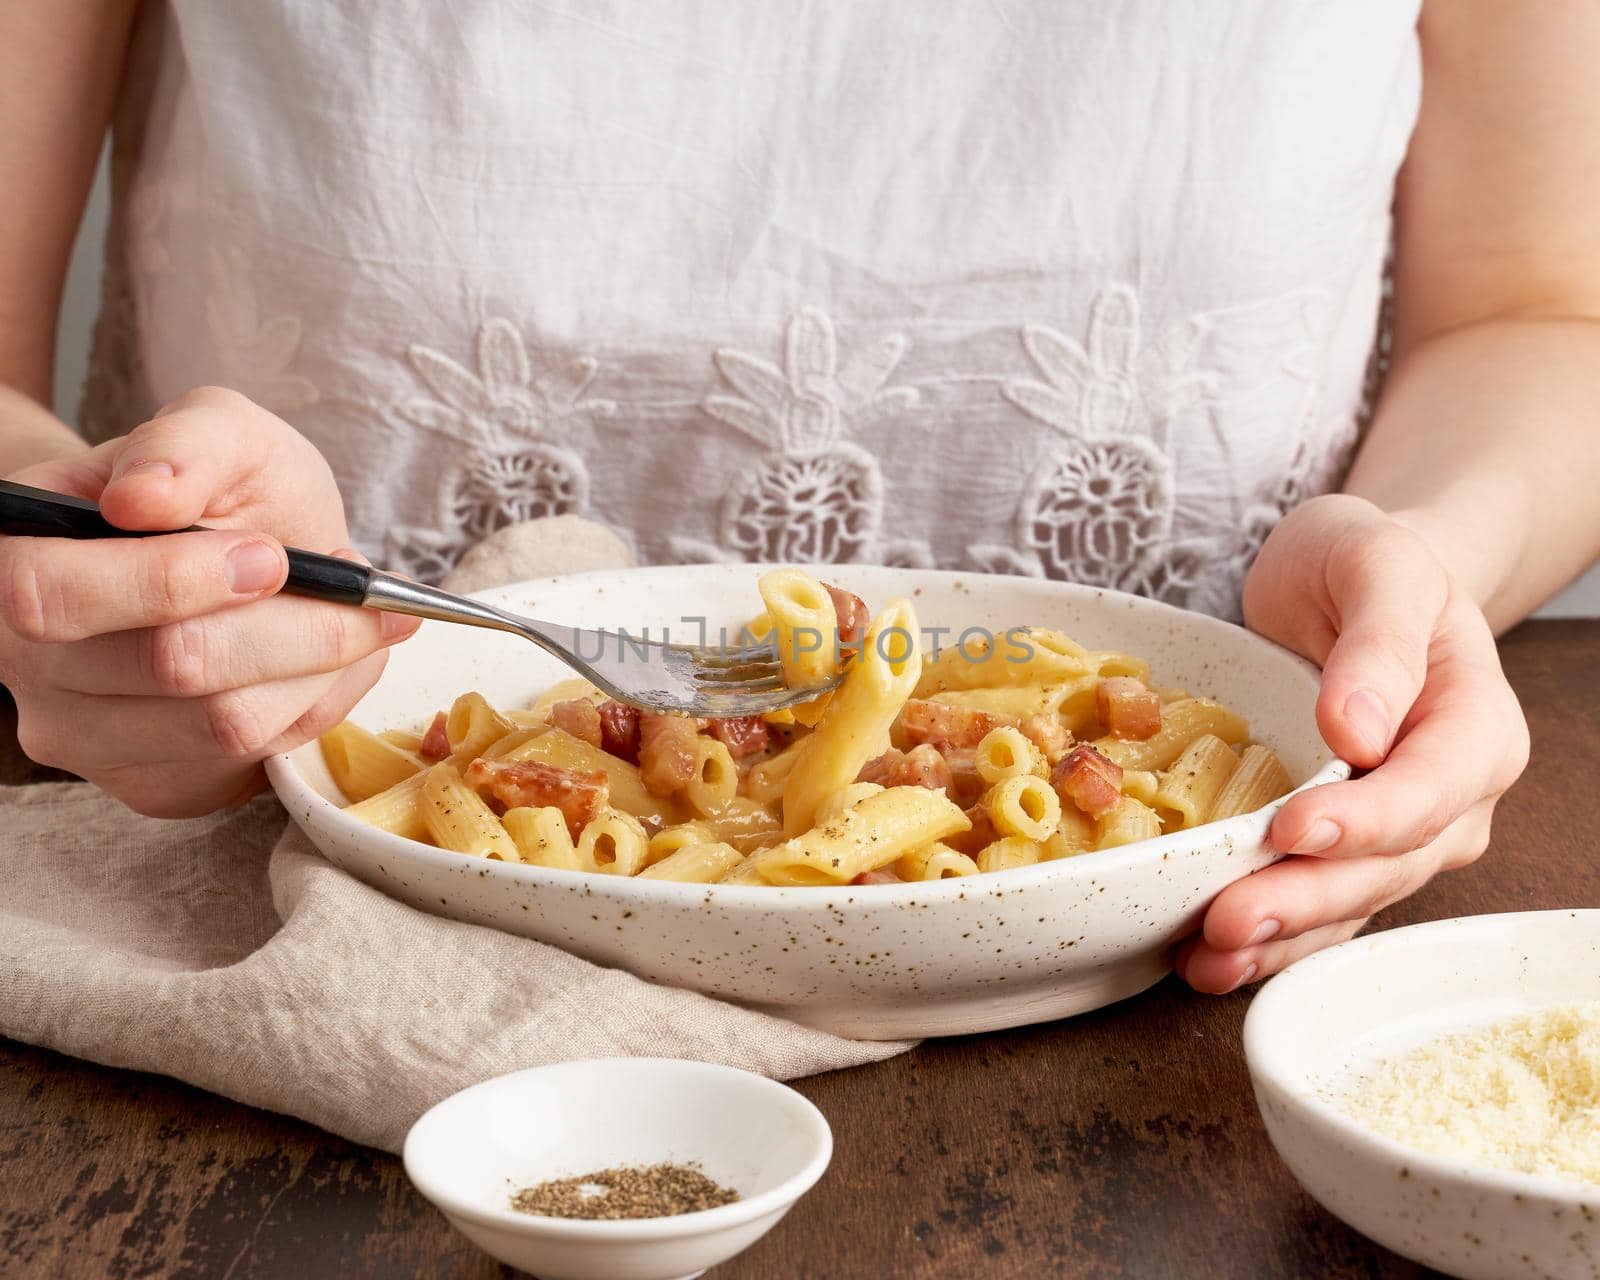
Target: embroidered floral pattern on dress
column 505, row 414
column 817, row 497
column 253, row 355
column 1100, row 506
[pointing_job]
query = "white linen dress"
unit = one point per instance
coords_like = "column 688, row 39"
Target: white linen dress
column 1084, row 289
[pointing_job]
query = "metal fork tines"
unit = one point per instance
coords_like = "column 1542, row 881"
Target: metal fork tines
column 652, row 674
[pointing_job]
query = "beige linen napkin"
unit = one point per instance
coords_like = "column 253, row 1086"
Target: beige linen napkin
column 224, row 951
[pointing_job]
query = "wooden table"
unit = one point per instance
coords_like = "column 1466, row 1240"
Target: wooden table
column 1121, row 1143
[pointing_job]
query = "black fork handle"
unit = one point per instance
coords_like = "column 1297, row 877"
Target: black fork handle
column 26, row 512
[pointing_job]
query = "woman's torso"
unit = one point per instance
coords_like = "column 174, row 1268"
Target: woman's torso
column 1077, row 289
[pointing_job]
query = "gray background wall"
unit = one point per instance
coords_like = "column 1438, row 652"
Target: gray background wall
column 82, row 301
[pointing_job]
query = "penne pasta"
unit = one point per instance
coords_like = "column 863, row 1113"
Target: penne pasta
column 1018, row 656
column 1190, row 787
column 1072, row 701
column 458, row 818
column 855, row 727
column 363, row 764
column 765, row 781
column 1110, row 663
column 744, row 823
column 805, row 627
column 1008, row 852
column 1141, row 784
column 472, row 725
column 1075, row 834
column 875, row 832
column 669, row 840
column 1259, row 780
column 559, row 748
column 747, row 872
column 938, row 861
column 1127, row 823
column 699, row 863
column 405, row 739
column 398, row 810
column 542, row 838
column 846, row 798
column 1181, row 723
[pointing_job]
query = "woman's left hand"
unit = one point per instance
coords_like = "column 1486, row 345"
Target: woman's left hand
column 1411, row 690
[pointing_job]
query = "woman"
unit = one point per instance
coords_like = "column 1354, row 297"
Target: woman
column 1081, row 290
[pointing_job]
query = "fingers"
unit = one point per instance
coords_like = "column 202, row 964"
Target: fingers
column 187, row 789
column 239, row 726
column 54, row 590
column 1219, row 973
column 1466, row 740
column 187, row 462
column 275, row 639
column 83, row 475
column 1388, row 592
column 1300, row 894
column 1260, row 923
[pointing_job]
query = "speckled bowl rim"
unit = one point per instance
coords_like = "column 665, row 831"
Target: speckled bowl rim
column 300, row 797
column 1264, row 1057
column 633, row 1230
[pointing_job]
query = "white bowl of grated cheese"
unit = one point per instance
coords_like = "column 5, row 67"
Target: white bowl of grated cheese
column 1438, row 1088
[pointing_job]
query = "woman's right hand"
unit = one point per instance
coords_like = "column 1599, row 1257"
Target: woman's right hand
column 166, row 669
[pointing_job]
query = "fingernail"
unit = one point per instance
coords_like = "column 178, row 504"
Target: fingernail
column 1323, row 834
column 152, row 470
column 1366, row 714
column 253, row 567
column 397, row 626
column 1244, row 978
column 1266, row 929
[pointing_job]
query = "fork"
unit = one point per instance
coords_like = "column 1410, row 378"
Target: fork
column 715, row 682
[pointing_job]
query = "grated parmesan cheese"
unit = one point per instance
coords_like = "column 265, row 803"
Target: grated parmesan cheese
column 1520, row 1094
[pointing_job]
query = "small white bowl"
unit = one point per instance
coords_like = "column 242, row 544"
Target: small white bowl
column 472, row 1152
column 1341, row 1010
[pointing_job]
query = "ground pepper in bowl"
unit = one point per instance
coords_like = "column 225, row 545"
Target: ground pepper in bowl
column 627, row 1191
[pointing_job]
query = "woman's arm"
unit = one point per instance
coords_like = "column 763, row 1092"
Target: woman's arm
column 60, row 67
column 1487, row 438
column 1472, row 500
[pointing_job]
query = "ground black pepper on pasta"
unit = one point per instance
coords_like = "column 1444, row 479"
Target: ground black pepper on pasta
column 628, row 1191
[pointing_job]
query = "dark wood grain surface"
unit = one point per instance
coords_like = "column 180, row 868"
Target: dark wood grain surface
column 1121, row 1143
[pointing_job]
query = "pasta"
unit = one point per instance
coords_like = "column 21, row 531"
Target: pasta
column 998, row 752
column 1259, row 779
column 698, row 863
column 855, row 726
column 1023, row 805
column 458, row 818
column 542, row 838
column 363, row 764
column 937, row 861
column 1008, row 852
column 870, row 834
column 1188, row 790
column 1005, row 753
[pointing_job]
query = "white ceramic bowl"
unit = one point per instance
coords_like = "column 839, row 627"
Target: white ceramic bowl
column 472, row 1152
column 941, row 958
column 1344, row 1008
